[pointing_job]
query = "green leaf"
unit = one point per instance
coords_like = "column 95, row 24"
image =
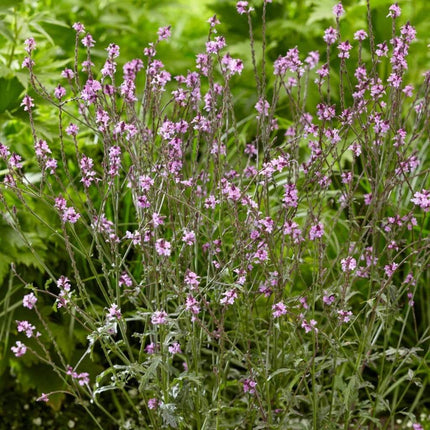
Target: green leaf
column 10, row 90
column 7, row 4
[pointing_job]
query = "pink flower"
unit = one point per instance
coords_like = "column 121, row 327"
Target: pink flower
column 25, row 326
column 114, row 312
column 88, row 41
column 72, row 129
column 344, row 48
column 78, row 27
column 19, row 349
column 175, row 348
column 192, row 305
column 360, row 35
column 124, row 279
column 390, row 269
column 189, row 237
column 344, row 316
column 30, row 45
column 348, row 264
column 249, row 386
column 163, row 33
column 159, row 317
column 328, row 299
column 43, row 398
column 279, row 309
column 394, row 11
column 330, row 36
column 152, row 403
column 316, row 231
column 157, row 219
column 151, row 348
column 309, row 326
column 422, row 199
column 27, row 102
column 163, row 247
column 229, row 297
column 214, row 46
column 29, row 300
column 241, row 7
column 262, row 107
column 192, row 279
column 213, row 21
column 338, row 10
column 145, row 182
column 59, row 92
column 291, row 197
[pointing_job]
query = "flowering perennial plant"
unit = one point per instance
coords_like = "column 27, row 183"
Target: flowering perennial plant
column 262, row 290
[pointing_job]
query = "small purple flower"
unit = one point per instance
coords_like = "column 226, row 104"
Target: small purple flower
column 394, row 11
column 309, row 326
column 241, row 7
column 27, row 102
column 389, row 269
column 328, row 299
column 422, row 199
column 279, row 309
column 191, row 279
column 25, row 326
column 192, row 305
column 348, row 264
column 338, row 10
column 151, row 348
column 360, row 35
column 344, row 316
column 330, row 36
column 29, row 300
column 68, row 74
column 30, row 45
column 152, row 403
column 175, row 348
column 114, row 313
column 249, row 386
column 19, row 349
column 344, row 48
column 124, row 279
column 229, row 297
column 27, row 63
column 113, row 50
column 316, row 231
column 159, row 317
column 163, row 33
column 43, row 398
column 78, row 27
column 291, row 197
column 262, row 107
column 163, row 247
column 88, row 41
column 59, row 92
column 189, row 237
column 72, row 129
column 214, row 46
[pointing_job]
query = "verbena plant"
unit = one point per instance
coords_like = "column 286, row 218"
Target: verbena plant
column 260, row 272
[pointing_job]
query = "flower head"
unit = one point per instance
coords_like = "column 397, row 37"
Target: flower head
column 279, row 309
column 19, row 349
column 338, row 10
column 29, row 300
